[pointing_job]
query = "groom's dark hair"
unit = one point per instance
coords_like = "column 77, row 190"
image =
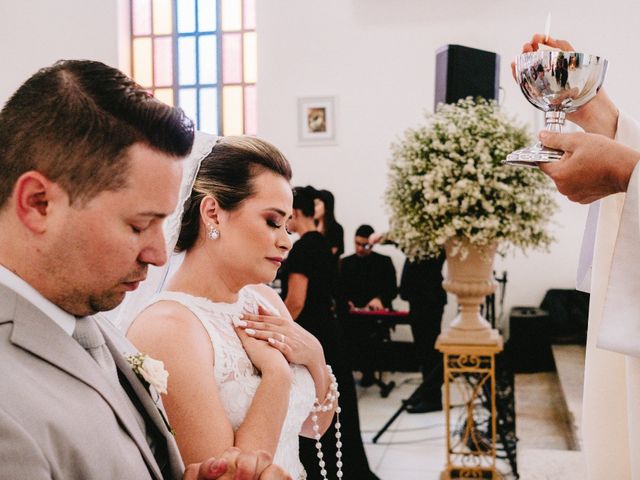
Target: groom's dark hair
column 73, row 122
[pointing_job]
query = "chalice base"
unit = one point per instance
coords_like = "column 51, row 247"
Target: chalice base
column 531, row 156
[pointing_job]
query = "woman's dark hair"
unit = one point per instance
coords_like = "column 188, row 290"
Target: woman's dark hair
column 227, row 174
column 329, row 206
column 303, row 200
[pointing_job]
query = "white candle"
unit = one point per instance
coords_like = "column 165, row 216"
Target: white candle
column 542, row 46
column 547, row 28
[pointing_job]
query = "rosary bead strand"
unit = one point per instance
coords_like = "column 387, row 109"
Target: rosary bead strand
column 325, row 406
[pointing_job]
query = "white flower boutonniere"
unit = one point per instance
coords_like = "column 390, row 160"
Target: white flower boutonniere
column 150, row 371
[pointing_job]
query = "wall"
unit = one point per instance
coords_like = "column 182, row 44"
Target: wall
column 378, row 59
column 36, row 33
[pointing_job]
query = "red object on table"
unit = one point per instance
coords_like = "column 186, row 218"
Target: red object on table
column 379, row 313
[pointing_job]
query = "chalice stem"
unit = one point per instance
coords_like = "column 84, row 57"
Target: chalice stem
column 554, row 120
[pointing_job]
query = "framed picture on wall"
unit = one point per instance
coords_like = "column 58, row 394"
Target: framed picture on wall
column 316, row 124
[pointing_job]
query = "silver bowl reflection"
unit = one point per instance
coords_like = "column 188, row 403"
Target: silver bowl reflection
column 557, row 83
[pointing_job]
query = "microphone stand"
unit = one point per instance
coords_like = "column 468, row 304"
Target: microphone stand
column 415, row 396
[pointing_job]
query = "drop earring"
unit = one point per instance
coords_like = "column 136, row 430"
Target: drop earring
column 213, row 233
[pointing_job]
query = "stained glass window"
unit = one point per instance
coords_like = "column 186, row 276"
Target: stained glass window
column 200, row 55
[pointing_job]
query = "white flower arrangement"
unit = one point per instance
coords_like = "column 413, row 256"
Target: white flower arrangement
column 150, row 371
column 447, row 180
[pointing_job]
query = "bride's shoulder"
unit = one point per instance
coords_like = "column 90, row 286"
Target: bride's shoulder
column 168, row 331
column 167, row 308
column 166, row 320
column 267, row 297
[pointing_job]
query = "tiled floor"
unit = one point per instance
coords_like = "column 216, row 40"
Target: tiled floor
column 413, row 447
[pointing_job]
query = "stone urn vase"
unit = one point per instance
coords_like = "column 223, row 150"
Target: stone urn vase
column 471, row 280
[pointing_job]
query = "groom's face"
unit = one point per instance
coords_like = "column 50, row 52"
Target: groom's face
column 100, row 250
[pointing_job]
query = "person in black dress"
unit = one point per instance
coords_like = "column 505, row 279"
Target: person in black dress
column 326, row 221
column 307, row 278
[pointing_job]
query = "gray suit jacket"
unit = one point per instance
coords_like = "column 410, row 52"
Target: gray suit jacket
column 61, row 417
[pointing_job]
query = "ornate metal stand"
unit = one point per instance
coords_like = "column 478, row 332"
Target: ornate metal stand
column 507, row 447
column 470, row 369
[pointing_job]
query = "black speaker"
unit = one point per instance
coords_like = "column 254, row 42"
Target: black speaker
column 529, row 344
column 464, row 71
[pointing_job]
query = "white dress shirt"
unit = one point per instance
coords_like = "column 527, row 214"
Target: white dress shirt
column 63, row 319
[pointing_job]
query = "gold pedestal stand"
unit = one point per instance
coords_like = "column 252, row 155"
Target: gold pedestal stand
column 469, row 369
column 469, row 346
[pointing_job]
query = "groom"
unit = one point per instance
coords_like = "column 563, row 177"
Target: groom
column 88, row 171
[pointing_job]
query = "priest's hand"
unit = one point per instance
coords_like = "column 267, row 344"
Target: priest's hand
column 236, row 465
column 600, row 115
column 592, row 167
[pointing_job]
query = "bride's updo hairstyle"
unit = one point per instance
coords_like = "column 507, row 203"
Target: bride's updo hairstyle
column 227, row 174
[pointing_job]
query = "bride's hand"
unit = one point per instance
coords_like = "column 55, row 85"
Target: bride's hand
column 285, row 335
column 262, row 355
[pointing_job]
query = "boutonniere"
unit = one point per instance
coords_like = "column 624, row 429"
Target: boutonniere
column 151, row 372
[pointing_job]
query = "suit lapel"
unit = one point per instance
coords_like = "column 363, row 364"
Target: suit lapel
column 34, row 332
column 153, row 409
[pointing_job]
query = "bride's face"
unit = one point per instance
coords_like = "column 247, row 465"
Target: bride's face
column 253, row 238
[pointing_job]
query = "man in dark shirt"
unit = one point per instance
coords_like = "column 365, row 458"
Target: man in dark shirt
column 367, row 278
column 367, row 281
column 421, row 286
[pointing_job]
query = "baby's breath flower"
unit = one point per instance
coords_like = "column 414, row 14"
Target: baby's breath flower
column 447, row 180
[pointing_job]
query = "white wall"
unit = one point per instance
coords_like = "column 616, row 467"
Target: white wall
column 36, row 33
column 377, row 57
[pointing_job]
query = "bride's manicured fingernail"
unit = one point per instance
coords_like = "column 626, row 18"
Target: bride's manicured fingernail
column 238, row 322
column 271, row 341
column 250, row 331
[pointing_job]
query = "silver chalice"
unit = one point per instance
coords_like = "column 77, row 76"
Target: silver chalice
column 556, row 82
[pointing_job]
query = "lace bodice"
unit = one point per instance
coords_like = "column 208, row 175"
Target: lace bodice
column 238, row 380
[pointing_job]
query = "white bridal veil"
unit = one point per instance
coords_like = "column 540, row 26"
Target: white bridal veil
column 137, row 300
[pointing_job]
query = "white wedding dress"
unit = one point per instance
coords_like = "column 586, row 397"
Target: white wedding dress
column 236, row 376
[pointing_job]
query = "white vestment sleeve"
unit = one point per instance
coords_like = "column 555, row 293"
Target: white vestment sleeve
column 610, row 421
column 620, row 326
column 585, row 262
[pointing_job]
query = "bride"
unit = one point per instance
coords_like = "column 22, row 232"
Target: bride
column 228, row 386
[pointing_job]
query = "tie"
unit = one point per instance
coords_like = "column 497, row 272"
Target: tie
column 89, row 336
